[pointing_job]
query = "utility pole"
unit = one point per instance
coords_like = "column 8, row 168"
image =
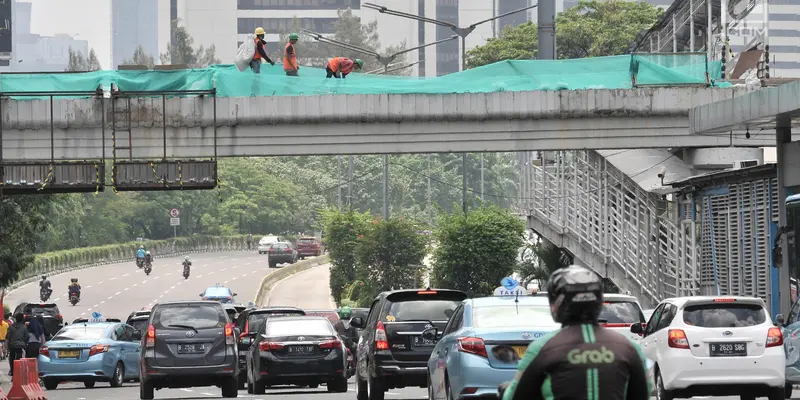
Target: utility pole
column 482, row 192
column 386, row 186
column 339, row 179
column 547, row 29
column 430, row 199
column 349, row 182
column 464, row 182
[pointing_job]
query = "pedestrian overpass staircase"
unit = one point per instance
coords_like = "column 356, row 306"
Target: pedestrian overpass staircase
column 651, row 241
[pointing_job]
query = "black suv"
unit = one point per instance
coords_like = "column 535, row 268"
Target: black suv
column 53, row 320
column 249, row 323
column 392, row 352
column 188, row 344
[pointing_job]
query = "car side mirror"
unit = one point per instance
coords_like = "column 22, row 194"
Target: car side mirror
column 235, row 294
column 431, row 333
column 637, row 328
column 137, row 335
column 357, row 322
column 201, row 295
column 780, row 320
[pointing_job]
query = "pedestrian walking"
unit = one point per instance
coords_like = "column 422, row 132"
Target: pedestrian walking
column 16, row 341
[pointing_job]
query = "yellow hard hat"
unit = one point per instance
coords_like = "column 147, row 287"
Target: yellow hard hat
column 259, row 31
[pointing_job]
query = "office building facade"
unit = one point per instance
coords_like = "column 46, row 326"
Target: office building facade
column 132, row 25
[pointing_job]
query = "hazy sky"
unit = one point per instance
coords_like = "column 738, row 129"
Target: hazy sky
column 88, row 19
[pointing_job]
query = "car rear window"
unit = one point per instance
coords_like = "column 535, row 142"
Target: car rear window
column 331, row 315
column 46, row 310
column 268, row 239
column 280, row 245
column 81, row 332
column 621, row 312
column 197, row 316
column 310, row 327
column 257, row 320
column 217, row 292
column 139, row 325
column 508, row 316
column 724, row 315
column 307, row 241
column 426, row 310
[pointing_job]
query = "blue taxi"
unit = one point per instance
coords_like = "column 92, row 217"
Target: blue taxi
column 218, row 293
column 482, row 343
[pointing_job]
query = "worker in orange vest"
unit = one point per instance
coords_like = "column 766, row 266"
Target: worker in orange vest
column 339, row 67
column 260, row 54
column 290, row 56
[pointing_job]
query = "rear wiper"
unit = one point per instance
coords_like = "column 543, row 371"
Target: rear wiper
column 602, row 321
column 183, row 326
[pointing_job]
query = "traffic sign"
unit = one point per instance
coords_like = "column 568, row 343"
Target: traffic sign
column 174, row 213
column 174, row 222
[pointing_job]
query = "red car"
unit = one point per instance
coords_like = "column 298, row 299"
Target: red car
column 308, row 246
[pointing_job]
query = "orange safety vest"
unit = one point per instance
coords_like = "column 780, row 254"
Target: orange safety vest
column 257, row 56
column 289, row 60
column 341, row 64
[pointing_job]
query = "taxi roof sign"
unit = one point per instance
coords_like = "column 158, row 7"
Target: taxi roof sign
column 501, row 291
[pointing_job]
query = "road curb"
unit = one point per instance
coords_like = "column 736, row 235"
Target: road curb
column 271, row 279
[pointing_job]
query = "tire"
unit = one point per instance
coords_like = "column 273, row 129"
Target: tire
column 788, row 389
column 376, row 388
column 230, row 389
column 430, row 387
column 259, row 388
column 778, row 393
column 249, row 385
column 146, row 391
column 240, row 382
column 273, row 265
column 338, row 386
column 50, row 385
column 313, row 385
column 88, row 384
column 661, row 393
column 119, row 374
column 362, row 392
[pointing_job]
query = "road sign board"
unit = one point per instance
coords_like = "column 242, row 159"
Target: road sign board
column 174, row 213
column 174, row 222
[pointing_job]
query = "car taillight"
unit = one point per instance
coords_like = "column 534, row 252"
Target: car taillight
column 269, row 346
column 330, row 344
column 381, row 341
column 150, row 339
column 676, row 338
column 616, row 325
column 98, row 348
column 288, row 250
column 472, row 345
column 59, row 316
column 44, row 351
column 229, row 339
column 774, row 337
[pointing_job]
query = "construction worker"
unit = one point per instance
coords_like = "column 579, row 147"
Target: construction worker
column 290, row 56
column 260, row 54
column 339, row 67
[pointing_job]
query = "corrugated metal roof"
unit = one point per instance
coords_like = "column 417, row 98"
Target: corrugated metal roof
column 644, row 165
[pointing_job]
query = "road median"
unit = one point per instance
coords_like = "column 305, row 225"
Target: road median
column 270, row 280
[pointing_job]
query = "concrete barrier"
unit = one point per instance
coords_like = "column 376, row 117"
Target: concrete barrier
column 271, row 279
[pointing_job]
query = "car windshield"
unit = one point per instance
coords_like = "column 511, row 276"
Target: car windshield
column 621, row 312
column 257, row 320
column 81, row 332
column 509, row 316
column 426, row 310
column 310, row 327
column 139, row 325
column 217, row 292
column 724, row 315
column 201, row 316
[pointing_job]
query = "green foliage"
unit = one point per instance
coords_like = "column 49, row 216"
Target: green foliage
column 23, row 219
column 78, row 62
column 540, row 260
column 590, row 29
column 140, row 57
column 342, row 230
column 475, row 251
column 182, row 50
column 389, row 254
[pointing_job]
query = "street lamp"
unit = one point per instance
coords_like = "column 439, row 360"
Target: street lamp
column 384, row 60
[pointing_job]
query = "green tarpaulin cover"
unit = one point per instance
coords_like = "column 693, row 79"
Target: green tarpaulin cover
column 615, row 72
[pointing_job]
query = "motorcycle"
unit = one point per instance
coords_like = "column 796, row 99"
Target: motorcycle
column 44, row 294
column 186, row 272
column 351, row 364
column 148, row 267
column 73, row 298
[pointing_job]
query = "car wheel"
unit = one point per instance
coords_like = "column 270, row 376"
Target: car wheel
column 88, row 384
column 146, row 391
column 50, row 384
column 361, row 388
column 249, row 384
column 119, row 372
column 241, row 381
column 780, row 393
column 430, row 387
column 259, row 387
column 314, row 385
column 749, row 397
column 375, row 388
column 447, row 391
column 230, row 388
column 661, row 393
column 338, row 386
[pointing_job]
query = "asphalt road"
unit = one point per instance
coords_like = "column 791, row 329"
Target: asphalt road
column 118, row 289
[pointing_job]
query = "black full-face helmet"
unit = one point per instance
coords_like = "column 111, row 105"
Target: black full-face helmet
column 575, row 294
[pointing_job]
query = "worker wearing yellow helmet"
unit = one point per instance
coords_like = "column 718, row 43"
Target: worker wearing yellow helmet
column 261, row 53
column 339, row 67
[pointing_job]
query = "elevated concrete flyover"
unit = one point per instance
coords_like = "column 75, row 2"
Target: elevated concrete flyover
column 364, row 124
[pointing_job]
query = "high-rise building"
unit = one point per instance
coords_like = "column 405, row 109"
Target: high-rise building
column 133, row 23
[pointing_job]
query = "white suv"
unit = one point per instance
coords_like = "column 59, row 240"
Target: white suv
column 620, row 312
column 714, row 346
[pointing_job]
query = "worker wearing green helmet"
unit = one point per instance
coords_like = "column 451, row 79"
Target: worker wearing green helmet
column 339, row 67
column 290, row 65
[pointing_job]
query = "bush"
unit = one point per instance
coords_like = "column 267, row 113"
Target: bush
column 342, row 230
column 389, row 254
column 476, row 251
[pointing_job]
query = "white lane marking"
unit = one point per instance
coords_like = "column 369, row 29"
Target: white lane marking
column 156, row 278
column 126, row 274
column 88, row 286
column 95, row 306
column 100, row 282
column 57, row 299
column 247, row 263
column 126, row 289
column 169, row 274
column 199, row 276
column 161, row 296
column 172, row 287
column 222, row 269
column 144, row 281
column 110, row 297
column 112, row 278
column 102, row 302
column 225, row 282
column 117, row 294
column 82, row 314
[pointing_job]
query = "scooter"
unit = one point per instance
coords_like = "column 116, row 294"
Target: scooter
column 73, row 298
column 148, row 267
column 44, row 294
column 351, row 364
column 186, row 272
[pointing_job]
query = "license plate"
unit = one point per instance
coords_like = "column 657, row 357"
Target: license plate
column 727, row 349
column 68, row 353
column 420, row 341
column 520, row 350
column 301, row 349
column 191, row 348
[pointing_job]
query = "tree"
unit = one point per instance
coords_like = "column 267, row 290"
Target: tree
column 590, row 29
column 342, row 230
column 140, row 57
column 23, row 220
column 477, row 250
column 389, row 254
column 181, row 50
column 350, row 30
column 78, row 62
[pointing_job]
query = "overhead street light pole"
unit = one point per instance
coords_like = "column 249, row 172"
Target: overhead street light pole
column 462, row 33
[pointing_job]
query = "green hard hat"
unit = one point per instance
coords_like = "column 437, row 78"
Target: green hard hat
column 294, row 36
column 345, row 312
column 360, row 63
